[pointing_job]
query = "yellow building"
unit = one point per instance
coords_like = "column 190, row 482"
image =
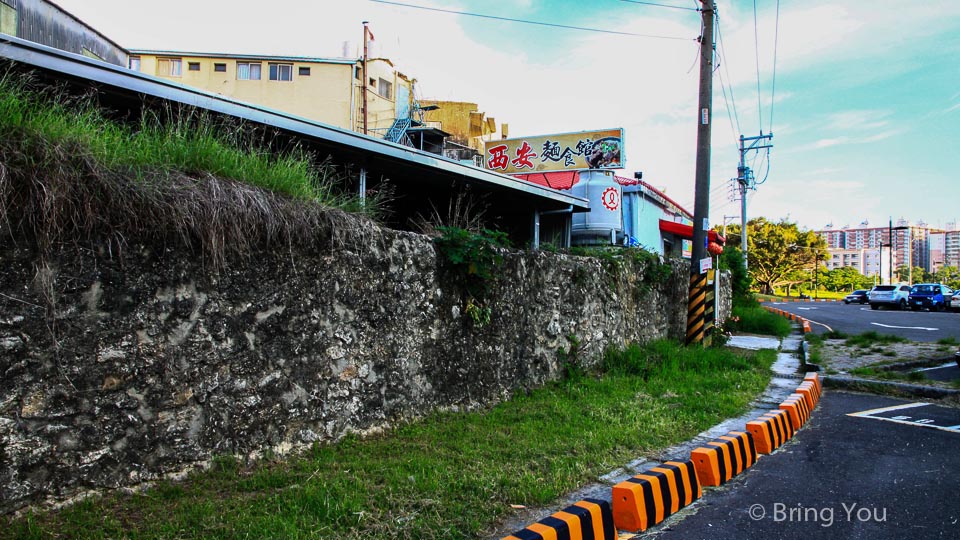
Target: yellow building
column 328, row 90
column 465, row 123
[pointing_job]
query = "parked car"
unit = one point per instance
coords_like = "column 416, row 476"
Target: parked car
column 858, row 296
column 932, row 296
column 955, row 301
column 892, row 296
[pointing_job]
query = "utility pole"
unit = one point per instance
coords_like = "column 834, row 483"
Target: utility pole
column 363, row 83
column 696, row 325
column 746, row 179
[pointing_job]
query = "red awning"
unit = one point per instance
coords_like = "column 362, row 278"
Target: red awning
column 686, row 231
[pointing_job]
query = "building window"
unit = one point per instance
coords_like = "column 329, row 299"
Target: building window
column 169, row 67
column 248, row 72
column 385, row 88
column 356, row 73
column 303, row 71
column 134, row 63
column 219, row 66
column 281, row 72
column 193, row 66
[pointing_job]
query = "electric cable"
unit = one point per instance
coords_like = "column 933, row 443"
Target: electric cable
column 773, row 85
column 538, row 23
column 659, row 5
column 756, row 50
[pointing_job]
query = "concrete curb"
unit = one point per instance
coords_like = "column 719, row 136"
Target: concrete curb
column 648, row 498
column 865, row 385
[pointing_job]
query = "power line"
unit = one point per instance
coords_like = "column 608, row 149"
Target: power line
column 538, row 23
column 773, row 85
column 731, row 104
column 756, row 50
column 660, row 5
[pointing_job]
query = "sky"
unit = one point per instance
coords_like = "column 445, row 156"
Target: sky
column 862, row 98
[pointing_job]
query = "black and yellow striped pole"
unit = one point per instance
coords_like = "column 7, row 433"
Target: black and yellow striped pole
column 696, row 308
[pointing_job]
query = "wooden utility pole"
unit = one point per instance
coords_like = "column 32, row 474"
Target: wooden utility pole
column 696, row 325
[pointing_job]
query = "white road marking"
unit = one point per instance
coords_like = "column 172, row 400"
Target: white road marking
column 888, row 409
column 948, row 364
column 906, row 327
column 923, row 422
column 803, row 308
column 811, row 321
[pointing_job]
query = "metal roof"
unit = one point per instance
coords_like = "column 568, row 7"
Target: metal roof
column 282, row 58
column 414, row 169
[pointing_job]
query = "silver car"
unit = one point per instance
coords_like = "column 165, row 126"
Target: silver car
column 892, row 296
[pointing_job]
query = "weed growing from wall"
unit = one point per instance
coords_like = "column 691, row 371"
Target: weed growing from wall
column 617, row 261
column 475, row 257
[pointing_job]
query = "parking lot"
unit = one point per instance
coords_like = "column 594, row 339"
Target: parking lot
column 923, row 326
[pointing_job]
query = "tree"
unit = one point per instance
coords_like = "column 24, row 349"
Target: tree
column 948, row 275
column 845, row 278
column 732, row 259
column 778, row 253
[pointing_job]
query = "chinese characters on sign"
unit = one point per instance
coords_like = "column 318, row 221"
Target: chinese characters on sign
column 584, row 150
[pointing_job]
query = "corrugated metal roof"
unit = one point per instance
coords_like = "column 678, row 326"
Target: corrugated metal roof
column 421, row 170
column 268, row 57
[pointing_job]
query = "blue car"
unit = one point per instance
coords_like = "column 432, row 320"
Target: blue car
column 932, row 296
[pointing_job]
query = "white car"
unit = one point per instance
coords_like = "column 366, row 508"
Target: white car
column 892, row 296
column 954, row 300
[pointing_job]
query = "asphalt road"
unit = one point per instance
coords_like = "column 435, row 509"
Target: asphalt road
column 857, row 319
column 889, row 472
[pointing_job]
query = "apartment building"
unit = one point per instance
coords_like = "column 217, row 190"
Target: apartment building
column 328, row 90
column 466, row 123
column 867, row 261
column 910, row 243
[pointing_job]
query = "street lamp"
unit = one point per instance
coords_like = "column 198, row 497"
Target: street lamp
column 890, row 230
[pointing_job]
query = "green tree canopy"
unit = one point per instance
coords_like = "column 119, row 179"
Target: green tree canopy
column 845, row 278
column 778, row 253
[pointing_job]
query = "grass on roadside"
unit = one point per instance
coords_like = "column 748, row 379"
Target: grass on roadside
column 450, row 475
column 752, row 318
column 888, row 374
column 872, row 339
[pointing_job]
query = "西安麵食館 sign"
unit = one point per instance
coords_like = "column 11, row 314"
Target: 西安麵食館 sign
column 602, row 149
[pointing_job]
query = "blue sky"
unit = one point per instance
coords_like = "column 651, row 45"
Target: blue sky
column 865, row 113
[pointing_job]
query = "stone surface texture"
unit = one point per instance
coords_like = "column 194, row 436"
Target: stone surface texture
column 122, row 368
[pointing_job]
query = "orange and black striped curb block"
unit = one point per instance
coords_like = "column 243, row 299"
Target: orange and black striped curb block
column 770, row 431
column 814, row 378
column 723, row 458
column 589, row 519
column 650, row 497
column 796, row 407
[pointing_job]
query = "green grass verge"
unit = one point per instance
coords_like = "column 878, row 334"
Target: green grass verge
column 888, row 375
column 756, row 320
column 449, row 476
column 871, row 339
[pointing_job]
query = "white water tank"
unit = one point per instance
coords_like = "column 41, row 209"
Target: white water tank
column 604, row 222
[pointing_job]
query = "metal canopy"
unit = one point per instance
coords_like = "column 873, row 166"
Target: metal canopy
column 414, row 174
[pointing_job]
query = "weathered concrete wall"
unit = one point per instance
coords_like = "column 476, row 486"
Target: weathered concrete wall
column 149, row 363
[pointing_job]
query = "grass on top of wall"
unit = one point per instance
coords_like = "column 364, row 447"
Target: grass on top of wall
column 447, row 476
column 69, row 172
